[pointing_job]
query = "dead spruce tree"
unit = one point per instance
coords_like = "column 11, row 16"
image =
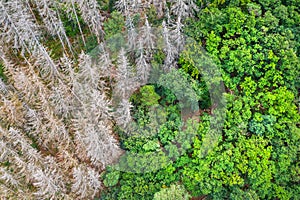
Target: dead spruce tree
column 177, row 34
column 131, row 33
column 169, row 48
column 90, row 13
column 86, row 182
column 147, row 36
column 130, row 7
column 143, row 67
column 183, row 8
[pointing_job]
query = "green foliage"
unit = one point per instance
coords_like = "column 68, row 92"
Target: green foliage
column 168, row 131
column 168, row 96
column 115, row 43
column 2, row 75
column 158, row 57
column 114, row 25
column 142, row 185
column 230, row 166
column 151, row 146
column 55, row 46
column 188, row 64
column 107, row 5
column 152, row 15
column 171, row 193
column 253, row 43
column 70, row 22
column 238, row 193
column 254, row 9
column 111, row 179
column 91, row 43
column 180, row 84
column 146, row 96
column 263, row 124
column 246, row 45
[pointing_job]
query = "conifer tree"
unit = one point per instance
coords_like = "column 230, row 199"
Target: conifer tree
column 90, row 13
column 3, row 88
column 86, row 182
column 49, row 181
column 177, row 35
column 122, row 6
column 125, row 79
column 183, row 8
column 146, row 36
column 132, row 33
column 169, row 48
column 123, row 114
column 104, row 62
column 142, row 66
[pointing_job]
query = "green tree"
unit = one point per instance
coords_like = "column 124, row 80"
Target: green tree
column 172, row 192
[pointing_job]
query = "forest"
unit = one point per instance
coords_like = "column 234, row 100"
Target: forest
column 150, row 99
